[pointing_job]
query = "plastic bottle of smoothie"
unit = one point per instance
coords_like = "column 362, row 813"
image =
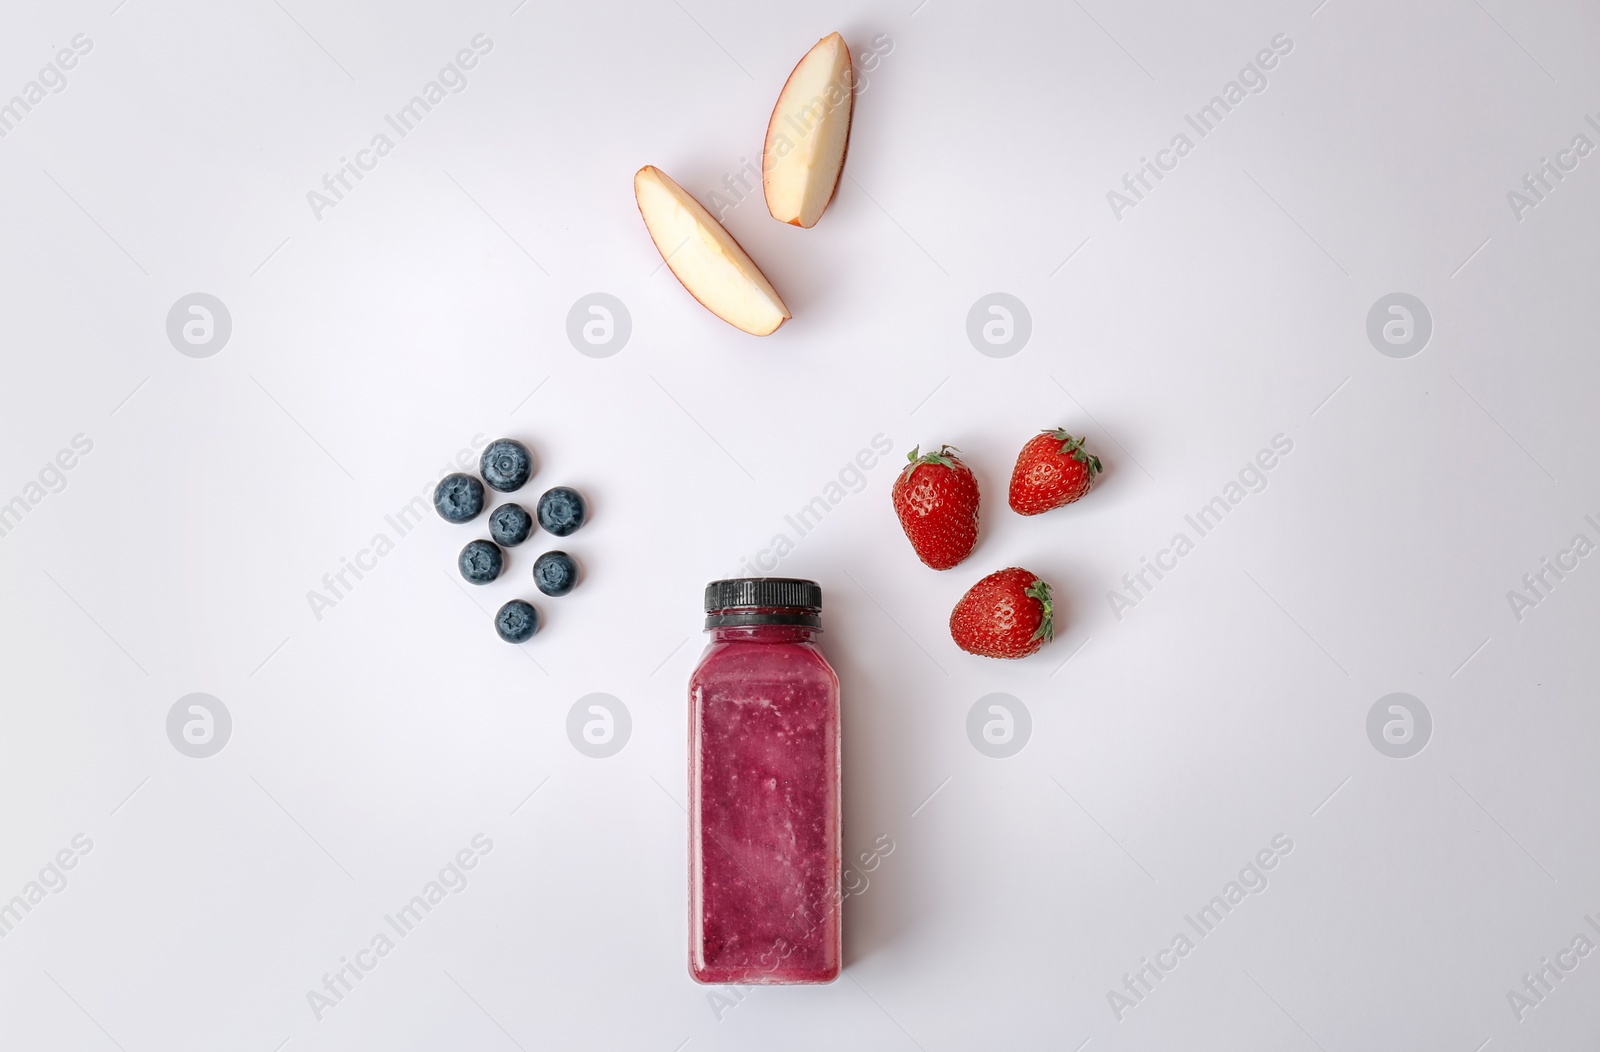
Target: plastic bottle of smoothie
column 764, row 789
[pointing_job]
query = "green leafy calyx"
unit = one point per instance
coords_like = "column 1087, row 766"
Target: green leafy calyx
column 1074, row 446
column 1041, row 591
column 945, row 456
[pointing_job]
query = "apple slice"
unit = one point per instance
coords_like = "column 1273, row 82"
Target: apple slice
column 705, row 257
column 808, row 134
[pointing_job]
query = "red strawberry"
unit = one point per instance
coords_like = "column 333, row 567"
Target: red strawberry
column 936, row 497
column 1006, row 615
column 1053, row 469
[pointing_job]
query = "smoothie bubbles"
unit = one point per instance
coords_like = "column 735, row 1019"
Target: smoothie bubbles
column 764, row 800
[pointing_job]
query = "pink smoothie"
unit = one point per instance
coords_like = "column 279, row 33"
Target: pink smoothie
column 764, row 809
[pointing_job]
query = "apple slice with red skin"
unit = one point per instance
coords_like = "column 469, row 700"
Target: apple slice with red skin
column 809, row 134
column 705, row 257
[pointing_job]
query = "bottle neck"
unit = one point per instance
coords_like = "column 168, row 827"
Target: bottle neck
column 764, row 634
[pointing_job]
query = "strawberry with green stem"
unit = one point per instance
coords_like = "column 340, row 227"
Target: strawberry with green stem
column 936, row 499
column 1053, row 469
column 1008, row 614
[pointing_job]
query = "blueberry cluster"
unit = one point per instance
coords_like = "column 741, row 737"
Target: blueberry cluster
column 506, row 466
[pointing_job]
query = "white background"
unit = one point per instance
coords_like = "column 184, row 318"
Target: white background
column 429, row 306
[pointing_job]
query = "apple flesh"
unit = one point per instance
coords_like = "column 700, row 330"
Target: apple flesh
column 705, row 257
column 808, row 134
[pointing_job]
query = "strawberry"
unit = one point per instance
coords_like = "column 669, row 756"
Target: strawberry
column 1053, row 469
column 936, row 497
column 1006, row 615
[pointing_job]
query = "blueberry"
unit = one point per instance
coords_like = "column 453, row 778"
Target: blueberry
column 510, row 524
column 506, row 464
column 561, row 510
column 555, row 573
column 481, row 561
column 517, row 621
column 458, row 498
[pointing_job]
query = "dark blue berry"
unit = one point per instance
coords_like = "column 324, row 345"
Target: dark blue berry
column 555, row 573
column 561, row 510
column 506, row 464
column 458, row 498
column 510, row 524
column 481, row 561
column 517, row 621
